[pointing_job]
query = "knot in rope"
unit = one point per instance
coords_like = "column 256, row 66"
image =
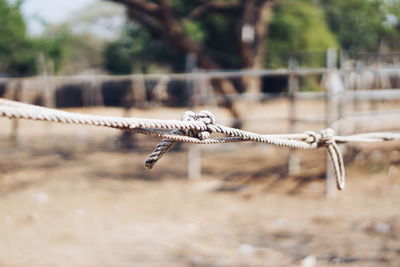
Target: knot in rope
column 203, row 116
column 327, row 138
column 313, row 138
column 201, row 133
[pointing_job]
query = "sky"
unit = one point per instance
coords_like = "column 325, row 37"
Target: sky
column 52, row 11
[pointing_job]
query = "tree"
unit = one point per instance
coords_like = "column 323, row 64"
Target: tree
column 15, row 48
column 180, row 24
column 361, row 26
column 18, row 52
column 299, row 26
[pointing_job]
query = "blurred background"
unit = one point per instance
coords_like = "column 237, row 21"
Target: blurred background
column 80, row 196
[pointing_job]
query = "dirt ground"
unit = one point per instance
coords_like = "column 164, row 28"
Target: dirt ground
column 70, row 197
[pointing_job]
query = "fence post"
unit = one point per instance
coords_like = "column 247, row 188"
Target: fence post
column 293, row 160
column 44, row 67
column 331, row 61
column 194, row 152
column 97, row 92
column 16, row 88
column 342, row 108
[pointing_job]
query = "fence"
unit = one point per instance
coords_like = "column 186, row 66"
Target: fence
column 340, row 88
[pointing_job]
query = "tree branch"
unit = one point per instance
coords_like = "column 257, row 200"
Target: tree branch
column 147, row 7
column 261, row 31
column 151, row 24
column 159, row 20
column 252, row 31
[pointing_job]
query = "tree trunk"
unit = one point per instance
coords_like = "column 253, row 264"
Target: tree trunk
column 252, row 31
column 158, row 19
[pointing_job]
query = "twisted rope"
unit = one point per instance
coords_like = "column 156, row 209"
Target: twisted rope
column 197, row 128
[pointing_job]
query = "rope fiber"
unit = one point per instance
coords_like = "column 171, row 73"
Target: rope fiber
column 197, row 128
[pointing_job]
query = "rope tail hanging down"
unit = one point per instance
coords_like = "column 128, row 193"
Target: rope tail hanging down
column 197, row 128
column 326, row 138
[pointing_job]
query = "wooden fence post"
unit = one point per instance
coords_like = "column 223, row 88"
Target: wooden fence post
column 16, row 95
column 293, row 160
column 342, row 109
column 194, row 151
column 45, row 68
column 97, row 94
column 331, row 61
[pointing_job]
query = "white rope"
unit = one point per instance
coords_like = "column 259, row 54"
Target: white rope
column 196, row 128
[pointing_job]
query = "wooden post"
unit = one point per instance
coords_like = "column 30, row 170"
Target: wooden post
column 139, row 92
column 47, row 89
column 211, row 98
column 331, row 61
column 343, row 58
column 194, row 152
column 342, row 108
column 97, row 94
column 16, row 95
column 194, row 162
column 159, row 93
column 376, row 84
column 293, row 160
column 87, row 99
column 330, row 177
column 126, row 138
column 357, row 127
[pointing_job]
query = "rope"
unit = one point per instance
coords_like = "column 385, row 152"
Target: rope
column 197, row 128
column 326, row 138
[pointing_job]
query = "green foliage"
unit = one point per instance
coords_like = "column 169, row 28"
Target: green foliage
column 392, row 24
column 15, row 49
column 213, row 32
column 361, row 25
column 194, row 30
column 300, row 28
column 298, row 25
column 118, row 59
column 55, row 45
column 137, row 50
column 18, row 52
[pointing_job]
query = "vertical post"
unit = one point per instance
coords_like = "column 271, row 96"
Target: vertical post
column 357, row 126
column 159, row 92
column 331, row 61
column 85, row 87
column 331, row 58
column 126, row 138
column 138, row 87
column 342, row 105
column 194, row 152
column 293, row 160
column 96, row 92
column 50, row 88
column 330, row 177
column 212, row 99
column 343, row 58
column 47, row 90
column 376, row 84
column 204, row 97
column 16, row 88
column 194, row 162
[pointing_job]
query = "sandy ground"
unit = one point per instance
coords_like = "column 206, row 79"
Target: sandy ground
column 69, row 197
